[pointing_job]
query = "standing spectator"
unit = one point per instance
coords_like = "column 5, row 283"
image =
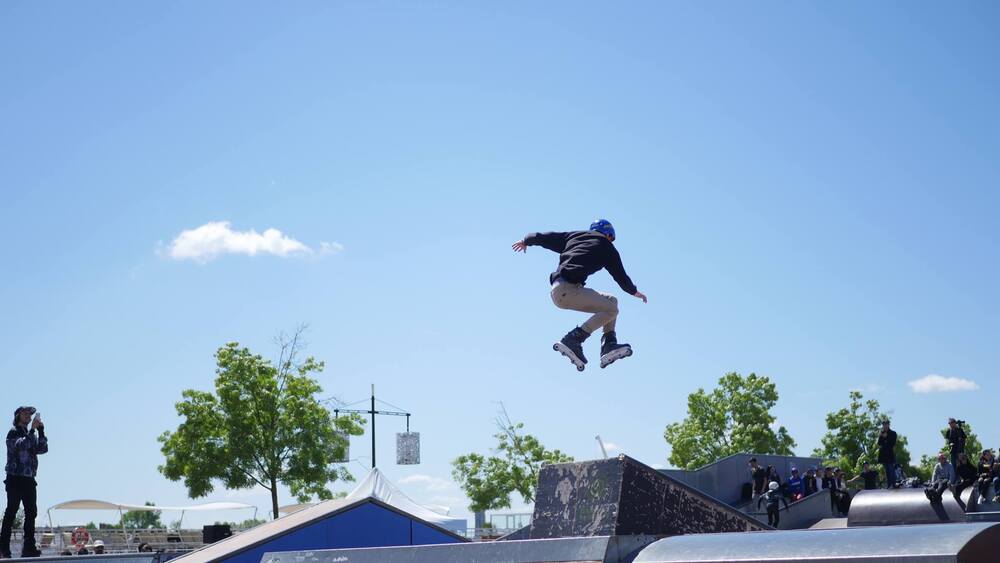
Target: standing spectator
column 145, row 548
column 809, row 484
column 794, row 486
column 828, row 480
column 944, row 475
column 986, row 462
column 966, row 474
column 773, row 497
column 24, row 445
column 99, row 547
column 840, row 497
column 772, row 475
column 758, row 475
column 887, row 453
column 869, row 475
column 956, row 439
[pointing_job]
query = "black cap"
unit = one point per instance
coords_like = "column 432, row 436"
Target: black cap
column 31, row 410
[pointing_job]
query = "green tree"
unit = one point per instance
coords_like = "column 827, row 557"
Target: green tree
column 852, row 437
column 489, row 481
column 734, row 418
column 263, row 426
column 973, row 447
column 142, row 519
column 245, row 524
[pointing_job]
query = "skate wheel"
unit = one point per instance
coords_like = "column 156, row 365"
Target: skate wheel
column 555, row 347
column 579, row 368
column 628, row 353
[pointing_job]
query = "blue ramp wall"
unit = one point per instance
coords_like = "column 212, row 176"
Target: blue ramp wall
column 366, row 525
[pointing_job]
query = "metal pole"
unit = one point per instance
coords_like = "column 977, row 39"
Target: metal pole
column 373, row 426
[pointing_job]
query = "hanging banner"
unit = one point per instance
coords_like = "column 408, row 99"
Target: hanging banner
column 408, row 448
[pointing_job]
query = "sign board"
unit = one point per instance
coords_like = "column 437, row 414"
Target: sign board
column 408, row 448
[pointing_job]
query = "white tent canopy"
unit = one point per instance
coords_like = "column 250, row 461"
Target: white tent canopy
column 376, row 486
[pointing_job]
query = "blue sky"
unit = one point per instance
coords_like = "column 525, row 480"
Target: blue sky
column 804, row 190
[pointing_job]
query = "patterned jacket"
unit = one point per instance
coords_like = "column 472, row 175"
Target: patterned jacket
column 23, row 449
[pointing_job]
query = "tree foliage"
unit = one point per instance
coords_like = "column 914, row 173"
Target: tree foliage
column 489, row 481
column 734, row 418
column 263, row 426
column 142, row 519
column 852, row 437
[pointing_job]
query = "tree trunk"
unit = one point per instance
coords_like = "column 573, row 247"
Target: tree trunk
column 274, row 497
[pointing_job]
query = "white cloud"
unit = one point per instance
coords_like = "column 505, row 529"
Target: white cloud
column 215, row 238
column 934, row 383
column 426, row 481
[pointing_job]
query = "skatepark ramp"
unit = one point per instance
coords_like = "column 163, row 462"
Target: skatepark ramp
column 958, row 543
column 621, row 496
column 891, row 507
column 597, row 549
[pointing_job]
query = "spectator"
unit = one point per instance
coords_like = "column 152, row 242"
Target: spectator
column 772, row 475
column 809, row 484
column 99, row 547
column 759, row 477
column 956, row 439
column 794, row 485
column 869, row 475
column 887, row 453
column 943, row 475
column 145, row 548
column 840, row 497
column 966, row 474
column 986, row 462
column 772, row 497
column 83, row 550
column 24, row 445
column 996, row 480
column 828, row 480
column 65, row 553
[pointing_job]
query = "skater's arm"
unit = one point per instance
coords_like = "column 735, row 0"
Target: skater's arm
column 556, row 242
column 617, row 271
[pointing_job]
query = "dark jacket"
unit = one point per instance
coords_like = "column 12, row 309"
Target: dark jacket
column 966, row 472
column 23, row 448
column 772, row 498
column 956, row 440
column 759, row 478
column 809, row 484
column 886, row 447
column 582, row 253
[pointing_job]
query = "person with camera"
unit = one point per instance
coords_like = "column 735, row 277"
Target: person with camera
column 25, row 442
column 956, row 439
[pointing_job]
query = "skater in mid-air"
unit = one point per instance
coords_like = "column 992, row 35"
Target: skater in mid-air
column 582, row 253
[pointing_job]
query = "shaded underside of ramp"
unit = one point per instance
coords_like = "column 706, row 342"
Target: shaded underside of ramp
column 959, row 543
column 330, row 524
column 621, row 496
column 114, row 558
column 891, row 507
column 601, row 549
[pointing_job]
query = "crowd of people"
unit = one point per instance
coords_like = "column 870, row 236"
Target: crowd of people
column 954, row 473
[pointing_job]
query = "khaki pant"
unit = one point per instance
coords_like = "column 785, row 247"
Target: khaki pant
column 576, row 297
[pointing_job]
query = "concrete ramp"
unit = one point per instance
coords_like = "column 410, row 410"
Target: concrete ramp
column 621, row 496
column 890, row 507
column 959, row 543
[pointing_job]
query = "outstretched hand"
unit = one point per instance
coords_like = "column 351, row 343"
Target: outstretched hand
column 641, row 295
column 519, row 246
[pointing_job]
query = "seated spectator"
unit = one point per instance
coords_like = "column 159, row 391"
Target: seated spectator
column 99, row 547
column 145, row 548
column 943, row 475
column 758, row 475
column 794, row 486
column 83, row 551
column 966, row 474
column 869, row 475
column 809, row 484
column 65, row 553
column 985, row 473
column 996, row 480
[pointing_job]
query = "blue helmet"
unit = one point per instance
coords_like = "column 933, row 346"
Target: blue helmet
column 603, row 226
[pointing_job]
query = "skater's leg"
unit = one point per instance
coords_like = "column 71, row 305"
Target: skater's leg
column 578, row 298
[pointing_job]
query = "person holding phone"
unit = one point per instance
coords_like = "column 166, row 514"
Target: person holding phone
column 25, row 442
